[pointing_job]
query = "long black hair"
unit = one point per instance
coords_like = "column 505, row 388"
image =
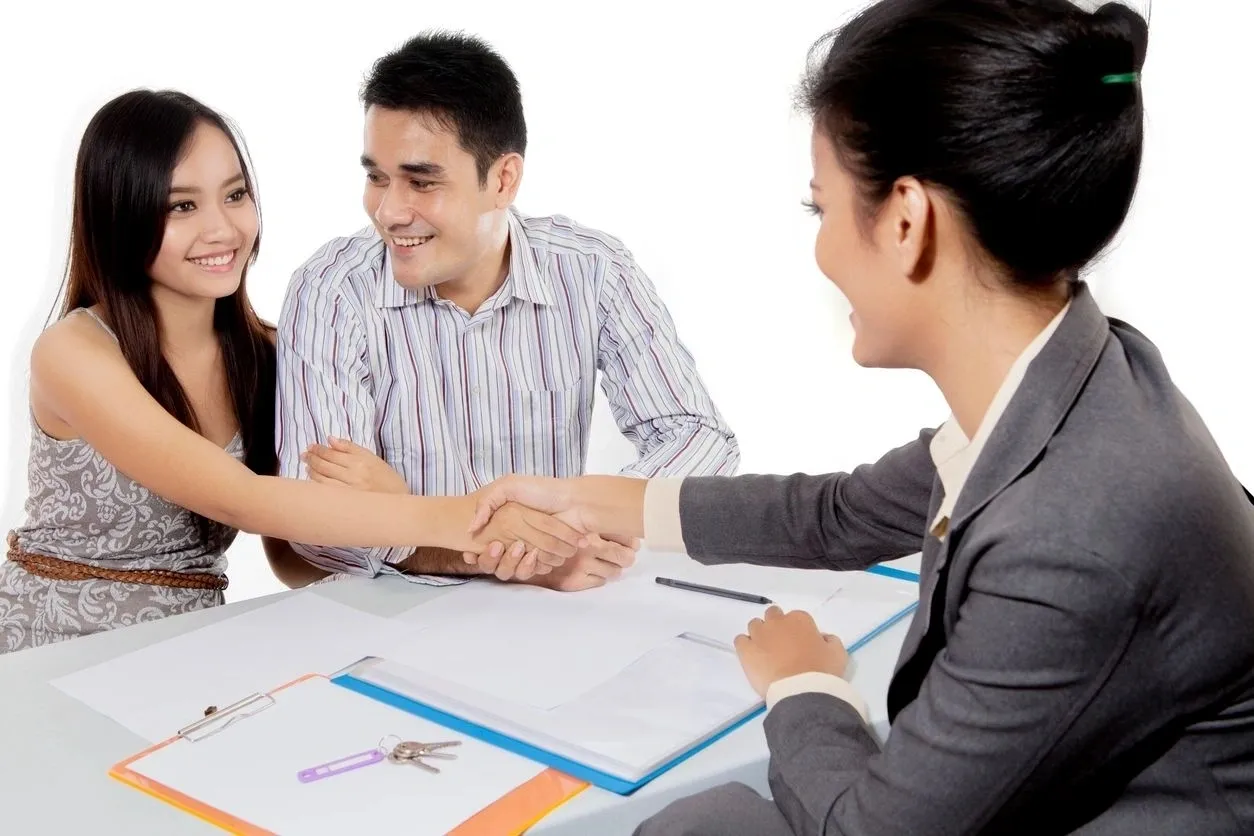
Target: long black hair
column 122, row 181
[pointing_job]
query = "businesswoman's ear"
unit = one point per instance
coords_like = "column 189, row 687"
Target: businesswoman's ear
column 911, row 214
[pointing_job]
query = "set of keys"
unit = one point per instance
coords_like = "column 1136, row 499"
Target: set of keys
column 411, row 752
column 402, row 752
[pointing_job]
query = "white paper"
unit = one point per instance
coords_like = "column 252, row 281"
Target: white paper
column 790, row 588
column 865, row 605
column 542, row 649
column 679, row 692
column 849, row 605
column 663, row 703
column 722, row 619
column 535, row 646
column 600, row 676
column 249, row 769
column 159, row 689
column 660, row 705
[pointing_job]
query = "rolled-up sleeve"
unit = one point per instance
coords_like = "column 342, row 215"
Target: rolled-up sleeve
column 650, row 379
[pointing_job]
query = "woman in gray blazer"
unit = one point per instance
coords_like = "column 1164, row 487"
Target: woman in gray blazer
column 1082, row 658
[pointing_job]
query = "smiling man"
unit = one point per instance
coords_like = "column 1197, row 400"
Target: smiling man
column 460, row 340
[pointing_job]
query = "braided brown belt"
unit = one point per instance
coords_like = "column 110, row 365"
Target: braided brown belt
column 57, row 569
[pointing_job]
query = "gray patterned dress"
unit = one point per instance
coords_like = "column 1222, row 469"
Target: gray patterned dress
column 81, row 508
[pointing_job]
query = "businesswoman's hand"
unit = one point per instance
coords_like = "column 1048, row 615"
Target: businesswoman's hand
column 607, row 505
column 543, row 493
column 780, row 645
column 344, row 463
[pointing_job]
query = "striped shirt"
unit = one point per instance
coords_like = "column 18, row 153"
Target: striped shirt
column 453, row 401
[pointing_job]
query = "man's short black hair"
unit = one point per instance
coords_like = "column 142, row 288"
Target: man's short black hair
column 460, row 81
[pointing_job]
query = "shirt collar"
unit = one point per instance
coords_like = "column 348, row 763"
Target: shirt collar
column 954, row 454
column 526, row 279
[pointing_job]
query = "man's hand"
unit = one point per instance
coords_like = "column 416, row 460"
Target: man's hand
column 779, row 646
column 602, row 561
column 510, row 559
column 539, row 541
column 346, row 463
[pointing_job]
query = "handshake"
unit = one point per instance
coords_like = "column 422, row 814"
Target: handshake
column 546, row 531
column 566, row 534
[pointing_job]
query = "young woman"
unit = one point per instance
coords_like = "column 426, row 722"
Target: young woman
column 1082, row 659
column 152, row 400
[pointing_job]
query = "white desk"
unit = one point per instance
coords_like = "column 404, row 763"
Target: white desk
column 56, row 751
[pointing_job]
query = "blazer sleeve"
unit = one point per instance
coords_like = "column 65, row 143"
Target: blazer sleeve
column 1040, row 684
column 850, row 520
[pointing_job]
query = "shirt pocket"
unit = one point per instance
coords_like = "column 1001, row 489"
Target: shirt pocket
column 543, row 431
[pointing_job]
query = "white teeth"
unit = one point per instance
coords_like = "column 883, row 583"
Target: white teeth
column 411, row 242
column 216, row 261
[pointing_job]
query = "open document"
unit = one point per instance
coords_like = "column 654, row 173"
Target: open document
column 616, row 685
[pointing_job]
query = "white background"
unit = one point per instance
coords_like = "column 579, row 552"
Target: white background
column 667, row 124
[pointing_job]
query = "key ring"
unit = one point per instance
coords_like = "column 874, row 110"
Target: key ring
column 393, row 752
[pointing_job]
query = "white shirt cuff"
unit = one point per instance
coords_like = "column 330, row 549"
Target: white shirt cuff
column 663, row 529
column 815, row 682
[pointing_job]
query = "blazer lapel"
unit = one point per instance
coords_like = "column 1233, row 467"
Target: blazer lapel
column 932, row 559
column 1049, row 389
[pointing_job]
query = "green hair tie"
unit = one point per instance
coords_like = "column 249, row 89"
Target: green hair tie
column 1120, row 78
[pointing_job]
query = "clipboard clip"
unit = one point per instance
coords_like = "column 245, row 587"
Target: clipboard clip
column 215, row 720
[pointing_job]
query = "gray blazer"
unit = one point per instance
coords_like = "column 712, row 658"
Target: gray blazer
column 1082, row 659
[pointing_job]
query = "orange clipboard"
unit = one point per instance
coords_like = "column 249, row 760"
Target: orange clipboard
column 511, row 814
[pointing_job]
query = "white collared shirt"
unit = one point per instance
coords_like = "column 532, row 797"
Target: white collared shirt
column 954, row 454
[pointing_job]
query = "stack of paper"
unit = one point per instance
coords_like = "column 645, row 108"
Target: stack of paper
column 617, row 681
column 159, row 689
column 541, row 649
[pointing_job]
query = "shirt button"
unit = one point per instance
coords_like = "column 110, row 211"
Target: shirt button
column 474, row 390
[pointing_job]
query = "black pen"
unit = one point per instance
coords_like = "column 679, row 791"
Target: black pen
column 713, row 590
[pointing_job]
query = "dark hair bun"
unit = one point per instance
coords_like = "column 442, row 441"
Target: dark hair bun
column 1092, row 62
column 1120, row 26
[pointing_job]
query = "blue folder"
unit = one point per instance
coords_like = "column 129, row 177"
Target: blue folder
column 594, row 777
column 893, row 572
